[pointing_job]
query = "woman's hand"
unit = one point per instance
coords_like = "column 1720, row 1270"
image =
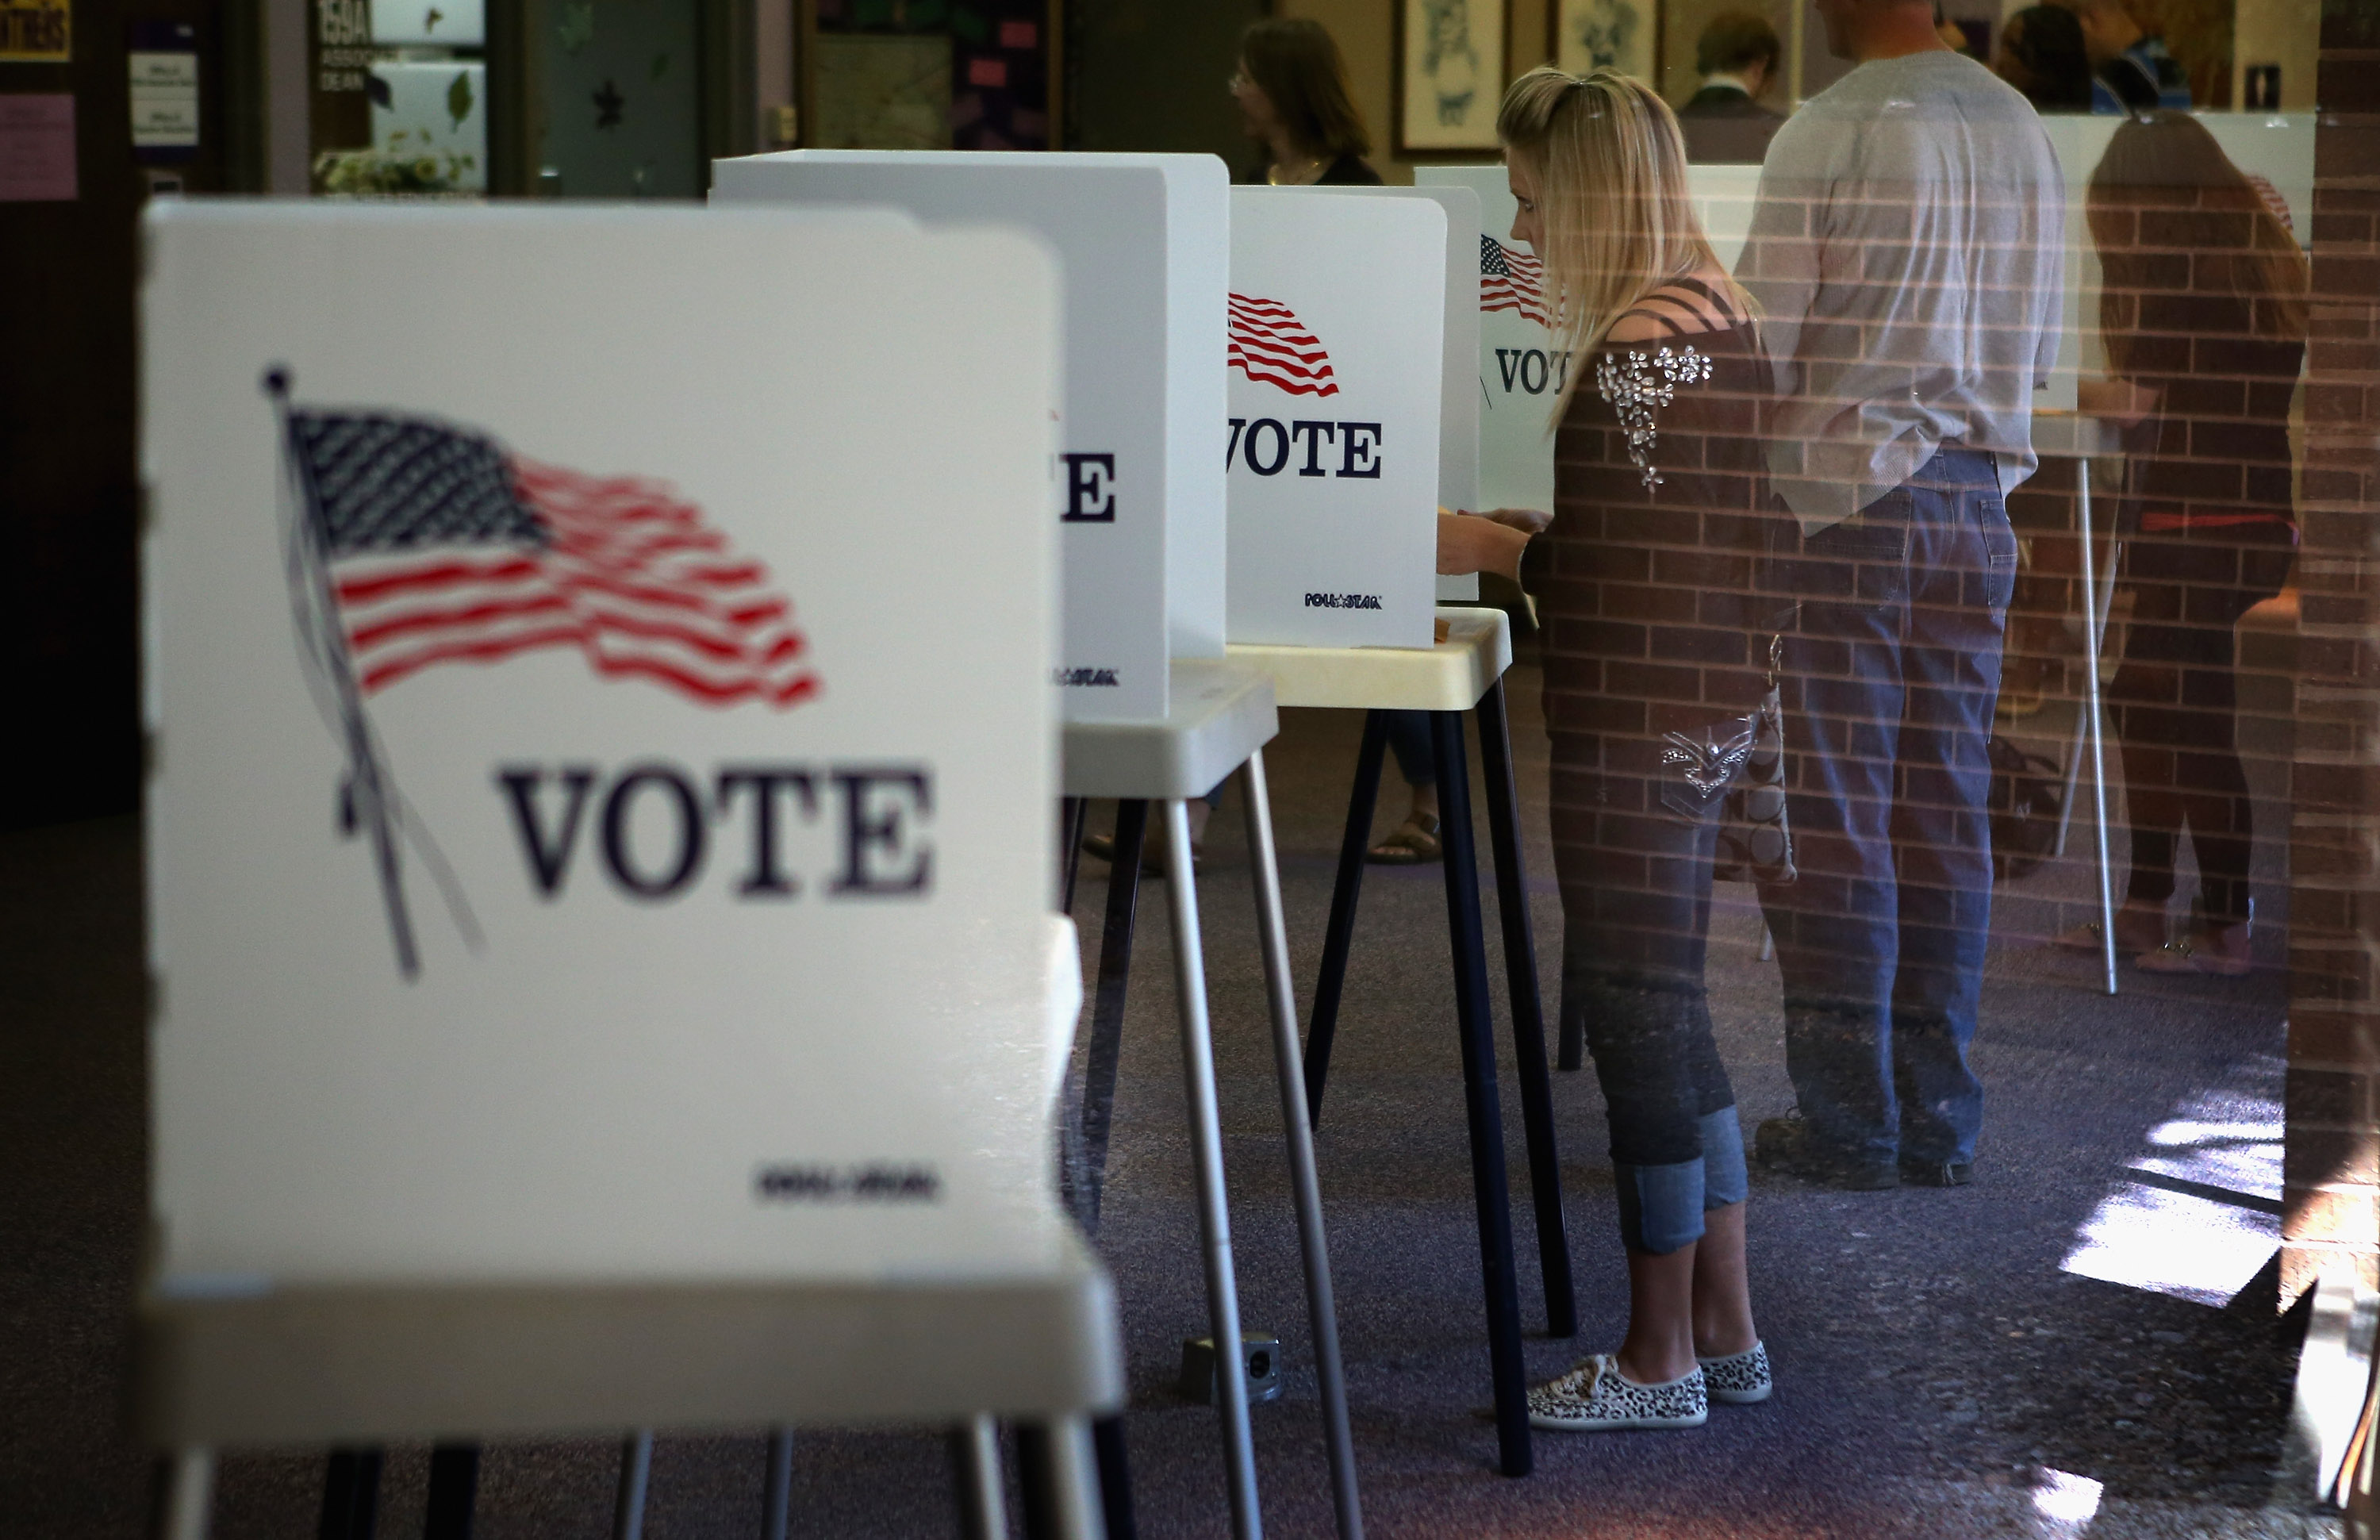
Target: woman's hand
column 2118, row 401
column 1473, row 543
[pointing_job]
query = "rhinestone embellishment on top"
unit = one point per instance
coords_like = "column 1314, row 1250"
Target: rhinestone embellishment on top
column 1643, row 382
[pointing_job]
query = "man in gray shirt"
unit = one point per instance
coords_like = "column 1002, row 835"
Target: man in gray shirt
column 1906, row 251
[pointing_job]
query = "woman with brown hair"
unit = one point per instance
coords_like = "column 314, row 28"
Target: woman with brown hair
column 1657, row 652
column 1296, row 101
column 2202, row 312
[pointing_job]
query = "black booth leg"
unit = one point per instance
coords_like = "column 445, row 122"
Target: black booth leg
column 1480, row 1108
column 1528, row 1013
column 1115, row 1476
column 1107, row 1010
column 1322, row 1023
column 350, row 1495
column 1073, row 813
column 453, row 1492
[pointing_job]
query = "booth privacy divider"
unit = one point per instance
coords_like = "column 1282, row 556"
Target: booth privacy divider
column 1142, row 242
column 604, row 972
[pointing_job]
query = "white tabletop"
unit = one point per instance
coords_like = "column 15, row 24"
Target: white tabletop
column 1451, row 676
column 1220, row 712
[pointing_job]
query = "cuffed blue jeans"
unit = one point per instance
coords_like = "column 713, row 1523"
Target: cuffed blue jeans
column 1890, row 680
column 1637, row 890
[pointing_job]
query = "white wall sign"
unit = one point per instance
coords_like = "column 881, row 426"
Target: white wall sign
column 1459, row 396
column 432, row 23
column 1144, row 240
column 1337, row 339
column 1519, row 368
column 604, row 757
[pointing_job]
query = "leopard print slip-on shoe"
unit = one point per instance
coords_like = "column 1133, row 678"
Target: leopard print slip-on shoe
column 1740, row 1378
column 1595, row 1397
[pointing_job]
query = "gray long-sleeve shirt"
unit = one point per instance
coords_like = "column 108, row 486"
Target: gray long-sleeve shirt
column 1906, row 251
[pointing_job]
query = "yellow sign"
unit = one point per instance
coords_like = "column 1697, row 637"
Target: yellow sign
column 36, row 32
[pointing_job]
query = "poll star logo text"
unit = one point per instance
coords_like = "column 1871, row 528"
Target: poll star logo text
column 653, row 825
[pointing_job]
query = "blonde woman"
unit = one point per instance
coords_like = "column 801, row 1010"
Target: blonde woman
column 1657, row 655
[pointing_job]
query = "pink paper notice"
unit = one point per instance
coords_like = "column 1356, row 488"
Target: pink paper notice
column 37, row 147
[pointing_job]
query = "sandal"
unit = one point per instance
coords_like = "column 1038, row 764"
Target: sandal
column 1411, row 843
column 2203, row 953
column 1153, row 862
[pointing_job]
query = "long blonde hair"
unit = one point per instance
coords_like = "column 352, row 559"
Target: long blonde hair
column 1612, row 195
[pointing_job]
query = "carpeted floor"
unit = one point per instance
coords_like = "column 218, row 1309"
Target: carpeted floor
column 1939, row 1374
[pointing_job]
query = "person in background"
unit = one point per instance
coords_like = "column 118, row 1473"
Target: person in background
column 1657, row 649
column 1906, row 252
column 2041, row 53
column 2131, row 70
column 2202, row 309
column 1295, row 101
column 1724, row 122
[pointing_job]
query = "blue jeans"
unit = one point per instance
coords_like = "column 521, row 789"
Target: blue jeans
column 1890, row 680
column 1636, row 889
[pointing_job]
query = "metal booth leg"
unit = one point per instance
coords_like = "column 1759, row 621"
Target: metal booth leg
column 636, row 1476
column 1528, row 1013
column 453, row 1492
column 975, row 1471
column 1336, row 936
column 1321, row 1309
column 1107, row 1011
column 189, row 1495
column 777, row 1495
column 350, row 1495
column 1480, row 1108
column 1074, row 812
column 1207, row 1162
column 1059, row 1484
column 2094, row 626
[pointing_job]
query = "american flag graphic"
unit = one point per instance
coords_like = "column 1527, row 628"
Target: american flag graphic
column 1510, row 280
column 408, row 542
column 1268, row 343
column 443, row 547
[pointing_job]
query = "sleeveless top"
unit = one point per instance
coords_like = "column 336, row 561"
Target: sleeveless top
column 1651, row 617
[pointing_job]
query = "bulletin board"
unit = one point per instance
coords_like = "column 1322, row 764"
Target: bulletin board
column 929, row 74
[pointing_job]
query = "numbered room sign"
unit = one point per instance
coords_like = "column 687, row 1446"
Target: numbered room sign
column 1337, row 327
column 1143, row 239
column 1521, row 369
column 603, row 757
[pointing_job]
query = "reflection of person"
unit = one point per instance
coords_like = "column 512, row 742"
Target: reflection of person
column 1906, row 249
column 2203, row 308
column 2041, row 53
column 1736, row 57
column 1655, row 654
column 2131, row 70
column 1294, row 99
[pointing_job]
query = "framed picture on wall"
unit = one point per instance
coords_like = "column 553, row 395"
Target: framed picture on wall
column 1597, row 34
column 1450, row 74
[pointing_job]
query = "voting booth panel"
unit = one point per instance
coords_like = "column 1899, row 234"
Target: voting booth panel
column 1520, row 368
column 1458, row 439
column 602, row 772
column 1331, row 449
column 1145, row 250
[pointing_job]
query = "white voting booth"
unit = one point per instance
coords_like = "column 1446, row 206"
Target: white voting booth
column 604, row 969
column 1343, row 307
column 1154, row 713
column 1332, row 452
column 1142, row 241
column 1458, row 404
column 1519, row 370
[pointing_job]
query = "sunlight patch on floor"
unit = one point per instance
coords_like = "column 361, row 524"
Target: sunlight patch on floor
column 2199, row 1214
